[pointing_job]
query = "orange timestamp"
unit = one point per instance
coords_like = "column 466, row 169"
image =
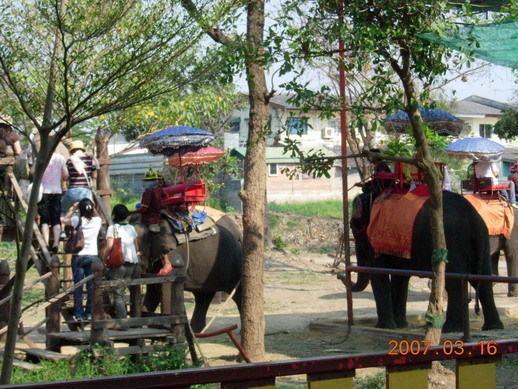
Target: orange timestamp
column 449, row 347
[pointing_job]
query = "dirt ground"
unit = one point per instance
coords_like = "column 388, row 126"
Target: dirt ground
column 305, row 315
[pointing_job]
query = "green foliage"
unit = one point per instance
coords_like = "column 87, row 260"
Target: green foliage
column 100, row 362
column 220, row 205
column 507, row 127
column 278, row 243
column 206, row 104
column 375, row 381
column 381, row 51
column 8, row 250
column 330, row 208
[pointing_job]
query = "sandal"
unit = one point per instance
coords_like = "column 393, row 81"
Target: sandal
column 165, row 270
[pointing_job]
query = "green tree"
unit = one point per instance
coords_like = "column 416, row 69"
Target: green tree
column 383, row 35
column 507, row 126
column 64, row 62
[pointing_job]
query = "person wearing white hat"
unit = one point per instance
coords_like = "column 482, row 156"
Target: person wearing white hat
column 82, row 170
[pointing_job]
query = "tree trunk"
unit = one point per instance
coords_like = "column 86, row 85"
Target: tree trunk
column 433, row 180
column 253, row 194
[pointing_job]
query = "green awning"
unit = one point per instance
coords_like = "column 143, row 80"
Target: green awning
column 496, row 42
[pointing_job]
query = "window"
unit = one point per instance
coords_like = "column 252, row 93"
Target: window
column 235, row 124
column 273, row 169
column 297, row 125
column 485, row 130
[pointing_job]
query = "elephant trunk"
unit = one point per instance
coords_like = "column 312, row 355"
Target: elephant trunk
column 361, row 283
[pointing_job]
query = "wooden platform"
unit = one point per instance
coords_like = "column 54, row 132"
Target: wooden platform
column 37, row 353
column 130, row 333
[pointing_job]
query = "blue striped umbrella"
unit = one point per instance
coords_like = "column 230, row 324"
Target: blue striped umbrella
column 171, row 139
column 477, row 149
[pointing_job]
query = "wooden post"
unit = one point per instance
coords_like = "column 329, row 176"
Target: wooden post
column 136, row 295
column 97, row 334
column 53, row 311
column 4, row 308
column 103, row 175
column 177, row 306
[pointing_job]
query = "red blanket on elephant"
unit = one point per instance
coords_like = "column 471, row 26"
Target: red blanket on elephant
column 392, row 222
column 498, row 216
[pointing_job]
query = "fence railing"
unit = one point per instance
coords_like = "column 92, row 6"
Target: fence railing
column 406, row 367
column 464, row 278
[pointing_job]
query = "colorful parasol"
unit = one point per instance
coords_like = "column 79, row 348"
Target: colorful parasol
column 169, row 140
column 477, row 149
column 195, row 156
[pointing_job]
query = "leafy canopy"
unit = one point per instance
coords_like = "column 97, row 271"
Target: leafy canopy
column 85, row 59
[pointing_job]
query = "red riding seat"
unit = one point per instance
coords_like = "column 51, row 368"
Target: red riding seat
column 482, row 185
column 191, row 193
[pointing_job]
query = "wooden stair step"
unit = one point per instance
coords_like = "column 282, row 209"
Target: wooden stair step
column 130, row 333
column 26, row 365
column 39, row 353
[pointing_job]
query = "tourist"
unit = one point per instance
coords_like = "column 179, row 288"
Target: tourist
column 82, row 170
column 49, row 208
column 130, row 253
column 486, row 169
column 82, row 261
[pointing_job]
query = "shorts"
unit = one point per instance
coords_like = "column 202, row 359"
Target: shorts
column 74, row 195
column 49, row 209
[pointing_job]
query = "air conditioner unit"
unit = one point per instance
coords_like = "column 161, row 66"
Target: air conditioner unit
column 328, row 132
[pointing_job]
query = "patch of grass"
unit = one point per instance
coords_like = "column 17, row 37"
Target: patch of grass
column 321, row 249
column 273, row 221
column 330, row 208
column 128, row 200
column 221, row 205
column 293, row 223
column 8, row 250
column 278, row 243
column 508, row 363
column 88, row 364
column 375, row 381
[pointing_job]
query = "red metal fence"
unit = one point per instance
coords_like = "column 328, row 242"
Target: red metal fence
column 406, row 366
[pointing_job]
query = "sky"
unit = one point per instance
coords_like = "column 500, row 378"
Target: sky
column 492, row 82
column 495, row 83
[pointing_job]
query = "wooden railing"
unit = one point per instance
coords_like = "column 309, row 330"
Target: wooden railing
column 475, row 368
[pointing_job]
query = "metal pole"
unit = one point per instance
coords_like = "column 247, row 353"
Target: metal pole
column 345, row 198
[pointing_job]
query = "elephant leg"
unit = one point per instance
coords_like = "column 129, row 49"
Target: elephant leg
column 238, row 299
column 199, row 317
column 399, row 291
column 494, row 262
column 152, row 297
column 491, row 317
column 512, row 267
column 382, row 296
column 454, row 310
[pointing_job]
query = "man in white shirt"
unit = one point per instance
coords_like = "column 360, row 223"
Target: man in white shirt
column 49, row 208
column 491, row 170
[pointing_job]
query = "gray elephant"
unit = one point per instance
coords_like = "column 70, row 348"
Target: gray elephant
column 468, row 252
column 497, row 243
column 214, row 264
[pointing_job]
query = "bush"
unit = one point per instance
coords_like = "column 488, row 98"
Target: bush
column 100, row 362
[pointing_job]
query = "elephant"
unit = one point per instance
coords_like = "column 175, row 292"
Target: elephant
column 467, row 242
column 213, row 264
column 510, row 248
